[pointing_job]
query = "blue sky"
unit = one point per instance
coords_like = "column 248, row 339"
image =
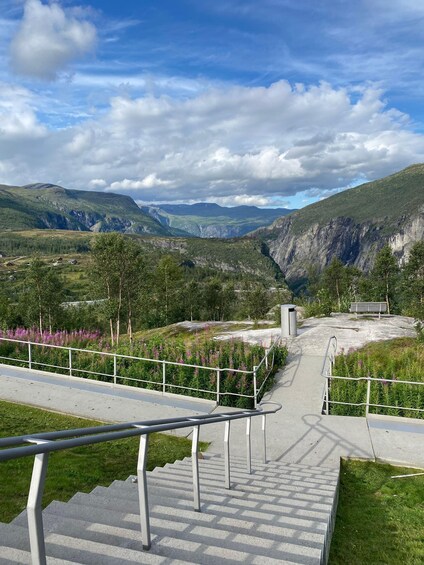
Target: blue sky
column 271, row 102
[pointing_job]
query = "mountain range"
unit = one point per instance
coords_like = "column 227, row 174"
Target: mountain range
column 211, row 220
column 352, row 225
column 48, row 206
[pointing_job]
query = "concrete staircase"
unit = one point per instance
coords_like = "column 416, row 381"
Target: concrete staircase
column 282, row 513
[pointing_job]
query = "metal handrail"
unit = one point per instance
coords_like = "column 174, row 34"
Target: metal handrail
column 41, row 444
column 327, row 368
column 327, row 373
column 115, row 356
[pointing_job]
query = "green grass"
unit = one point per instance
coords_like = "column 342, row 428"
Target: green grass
column 73, row 470
column 379, row 520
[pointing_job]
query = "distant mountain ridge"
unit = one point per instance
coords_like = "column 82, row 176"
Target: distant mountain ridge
column 352, row 225
column 210, row 220
column 49, row 206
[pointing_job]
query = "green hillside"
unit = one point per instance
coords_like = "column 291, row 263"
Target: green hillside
column 386, row 201
column 233, row 259
column 46, row 206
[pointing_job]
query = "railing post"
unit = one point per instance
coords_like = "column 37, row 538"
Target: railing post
column 266, row 358
column 70, row 362
column 367, row 408
column 115, row 369
column 255, row 394
column 327, row 390
column 264, row 436
column 227, row 454
column 195, row 466
column 218, row 385
column 248, row 446
column 164, row 377
column 142, row 492
column 29, row 356
column 34, row 513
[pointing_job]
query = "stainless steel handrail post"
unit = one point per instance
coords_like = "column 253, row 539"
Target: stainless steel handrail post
column 142, row 492
column 34, row 512
column 264, row 437
column 327, row 391
column 367, row 407
column 115, row 369
column 248, row 445
column 164, row 377
column 70, row 362
column 195, row 466
column 255, row 393
column 227, row 455
column 218, row 385
column 29, row 356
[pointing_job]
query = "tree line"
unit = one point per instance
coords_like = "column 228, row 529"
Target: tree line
column 131, row 291
column 402, row 288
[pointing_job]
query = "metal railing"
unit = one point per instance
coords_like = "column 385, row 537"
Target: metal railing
column 73, row 370
column 327, row 373
column 42, row 444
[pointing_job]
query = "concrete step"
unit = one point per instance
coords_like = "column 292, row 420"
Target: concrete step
column 227, row 503
column 180, row 479
column 284, row 491
column 307, row 484
column 248, row 501
column 161, row 509
column 275, row 463
column 84, row 541
column 182, row 534
column 273, row 468
column 281, row 513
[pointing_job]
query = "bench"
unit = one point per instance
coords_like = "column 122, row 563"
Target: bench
column 368, row 308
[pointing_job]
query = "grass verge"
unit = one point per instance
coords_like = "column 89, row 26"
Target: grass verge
column 380, row 520
column 73, row 470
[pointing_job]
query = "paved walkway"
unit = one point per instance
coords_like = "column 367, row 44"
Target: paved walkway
column 299, row 433
column 94, row 399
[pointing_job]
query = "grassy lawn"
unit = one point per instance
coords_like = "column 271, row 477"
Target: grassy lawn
column 73, row 470
column 380, row 520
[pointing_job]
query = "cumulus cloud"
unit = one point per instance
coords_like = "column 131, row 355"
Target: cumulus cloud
column 242, row 200
column 48, row 39
column 225, row 144
column 150, row 181
column 18, row 119
column 97, row 183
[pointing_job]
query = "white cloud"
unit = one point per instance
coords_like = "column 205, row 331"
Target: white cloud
column 225, row 144
column 18, row 119
column 242, row 200
column 48, row 39
column 150, row 181
column 97, row 183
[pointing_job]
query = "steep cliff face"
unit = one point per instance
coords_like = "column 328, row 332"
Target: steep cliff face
column 352, row 226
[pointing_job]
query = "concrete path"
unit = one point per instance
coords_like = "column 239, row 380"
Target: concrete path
column 93, row 399
column 299, row 433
